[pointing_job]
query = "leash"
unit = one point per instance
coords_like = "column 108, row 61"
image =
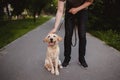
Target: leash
column 73, row 45
column 75, row 32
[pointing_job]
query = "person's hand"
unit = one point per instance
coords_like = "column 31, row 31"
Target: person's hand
column 53, row 30
column 73, row 10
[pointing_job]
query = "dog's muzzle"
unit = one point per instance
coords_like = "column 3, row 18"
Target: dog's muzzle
column 52, row 42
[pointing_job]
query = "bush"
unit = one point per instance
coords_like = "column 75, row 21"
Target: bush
column 111, row 37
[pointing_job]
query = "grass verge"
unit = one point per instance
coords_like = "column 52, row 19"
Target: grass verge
column 110, row 37
column 11, row 30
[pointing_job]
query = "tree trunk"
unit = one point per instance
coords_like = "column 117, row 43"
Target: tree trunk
column 34, row 16
column 8, row 12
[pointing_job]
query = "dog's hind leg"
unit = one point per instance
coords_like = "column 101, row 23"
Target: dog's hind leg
column 60, row 64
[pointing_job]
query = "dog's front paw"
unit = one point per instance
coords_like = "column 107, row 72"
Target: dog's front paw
column 49, row 69
column 61, row 67
column 57, row 73
column 52, row 71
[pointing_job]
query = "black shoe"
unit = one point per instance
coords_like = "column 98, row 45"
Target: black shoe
column 66, row 62
column 83, row 62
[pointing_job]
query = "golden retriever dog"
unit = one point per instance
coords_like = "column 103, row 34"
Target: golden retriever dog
column 52, row 61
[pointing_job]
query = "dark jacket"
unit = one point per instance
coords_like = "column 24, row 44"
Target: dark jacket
column 75, row 3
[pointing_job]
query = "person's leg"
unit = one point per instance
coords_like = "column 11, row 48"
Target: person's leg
column 69, row 26
column 82, row 18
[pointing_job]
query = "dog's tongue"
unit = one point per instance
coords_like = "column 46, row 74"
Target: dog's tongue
column 51, row 44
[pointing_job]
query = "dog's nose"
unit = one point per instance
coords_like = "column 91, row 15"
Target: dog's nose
column 51, row 39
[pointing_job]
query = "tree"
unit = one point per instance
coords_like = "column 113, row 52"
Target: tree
column 1, row 10
column 105, row 14
column 51, row 7
column 36, row 6
column 18, row 5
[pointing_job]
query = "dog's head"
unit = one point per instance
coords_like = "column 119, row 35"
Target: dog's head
column 52, row 39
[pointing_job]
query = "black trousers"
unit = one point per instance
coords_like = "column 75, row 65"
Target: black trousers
column 79, row 20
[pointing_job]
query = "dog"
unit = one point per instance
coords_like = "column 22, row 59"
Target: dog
column 52, row 61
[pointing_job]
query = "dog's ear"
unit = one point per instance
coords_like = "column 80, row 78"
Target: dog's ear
column 59, row 38
column 45, row 39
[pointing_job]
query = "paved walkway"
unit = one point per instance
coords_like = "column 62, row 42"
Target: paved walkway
column 23, row 59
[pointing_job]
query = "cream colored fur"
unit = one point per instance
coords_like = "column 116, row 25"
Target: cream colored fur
column 52, row 61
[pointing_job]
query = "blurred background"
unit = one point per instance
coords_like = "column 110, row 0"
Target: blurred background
column 18, row 17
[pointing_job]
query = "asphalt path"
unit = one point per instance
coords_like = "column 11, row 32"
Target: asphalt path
column 23, row 59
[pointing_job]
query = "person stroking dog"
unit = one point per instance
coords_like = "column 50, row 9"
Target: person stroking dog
column 52, row 61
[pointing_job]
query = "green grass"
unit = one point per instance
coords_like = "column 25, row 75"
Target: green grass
column 110, row 37
column 11, row 30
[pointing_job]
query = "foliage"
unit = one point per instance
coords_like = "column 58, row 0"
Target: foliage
column 104, row 15
column 11, row 30
column 104, row 21
column 110, row 37
column 51, row 7
column 18, row 5
column 1, row 10
column 34, row 6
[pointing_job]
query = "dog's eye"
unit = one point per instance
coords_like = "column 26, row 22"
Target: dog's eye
column 48, row 36
column 54, row 36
